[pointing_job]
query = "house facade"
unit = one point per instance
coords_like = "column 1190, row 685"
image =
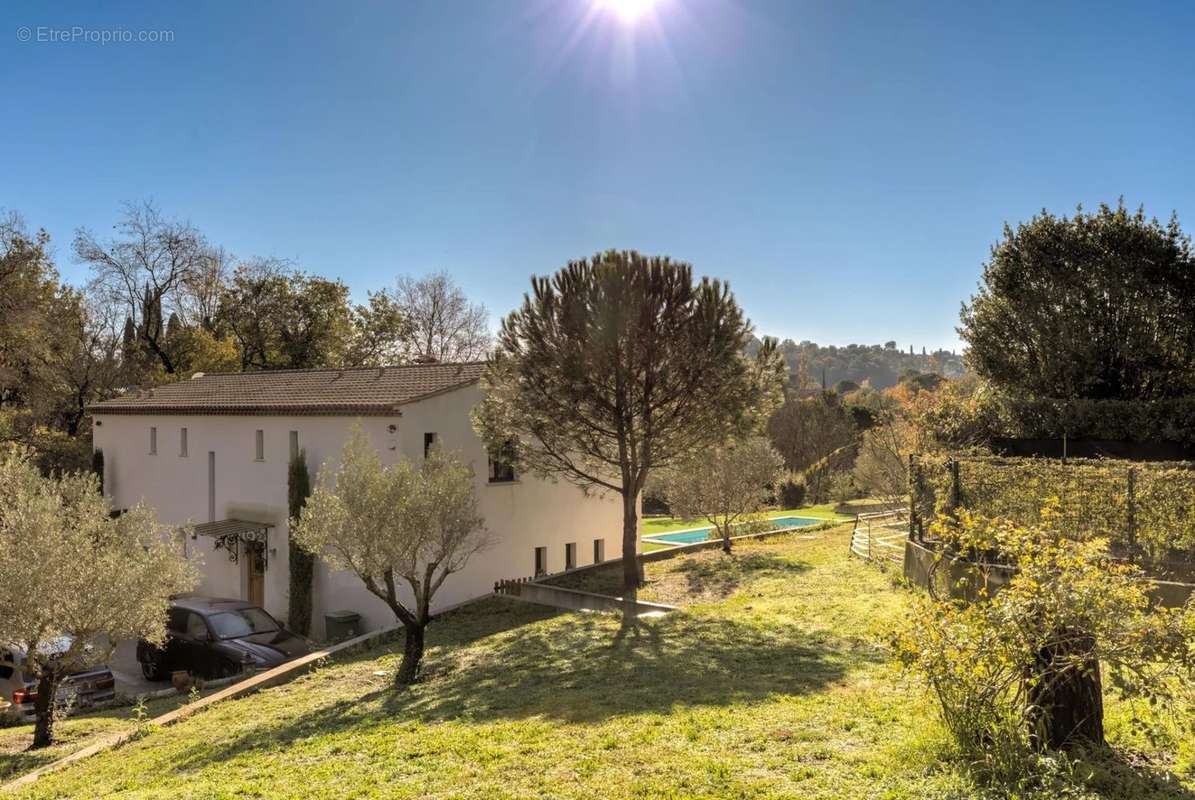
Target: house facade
column 213, row 452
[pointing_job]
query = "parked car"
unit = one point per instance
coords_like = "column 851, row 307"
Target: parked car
column 215, row 638
column 77, row 691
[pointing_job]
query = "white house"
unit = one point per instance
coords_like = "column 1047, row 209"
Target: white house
column 213, row 451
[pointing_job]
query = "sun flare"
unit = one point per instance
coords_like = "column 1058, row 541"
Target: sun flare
column 628, row 11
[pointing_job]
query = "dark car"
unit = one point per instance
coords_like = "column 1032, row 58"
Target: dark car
column 215, row 638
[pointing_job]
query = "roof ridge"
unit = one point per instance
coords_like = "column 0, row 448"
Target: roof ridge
column 291, row 370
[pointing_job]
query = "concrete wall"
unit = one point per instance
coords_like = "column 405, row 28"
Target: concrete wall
column 965, row 578
column 520, row 516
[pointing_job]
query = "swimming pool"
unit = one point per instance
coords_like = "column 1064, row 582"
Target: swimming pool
column 701, row 534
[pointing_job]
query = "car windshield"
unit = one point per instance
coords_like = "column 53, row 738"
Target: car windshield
column 242, row 622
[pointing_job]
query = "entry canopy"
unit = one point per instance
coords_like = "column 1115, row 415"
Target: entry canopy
column 229, row 532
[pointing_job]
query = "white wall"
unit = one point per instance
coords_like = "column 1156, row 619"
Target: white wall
column 519, row 516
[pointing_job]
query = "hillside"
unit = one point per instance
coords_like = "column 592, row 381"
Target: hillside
column 773, row 681
column 881, row 365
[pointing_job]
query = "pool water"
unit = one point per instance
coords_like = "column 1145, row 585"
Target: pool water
column 701, row 534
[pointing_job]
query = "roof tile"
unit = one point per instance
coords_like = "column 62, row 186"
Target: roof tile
column 359, row 391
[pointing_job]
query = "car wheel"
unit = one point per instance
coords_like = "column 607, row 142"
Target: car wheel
column 151, row 668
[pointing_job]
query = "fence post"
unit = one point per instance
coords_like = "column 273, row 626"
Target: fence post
column 912, row 496
column 956, row 489
column 1131, row 500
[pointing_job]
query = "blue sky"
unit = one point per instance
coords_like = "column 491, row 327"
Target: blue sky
column 846, row 166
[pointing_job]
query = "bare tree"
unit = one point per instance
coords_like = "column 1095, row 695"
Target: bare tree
column 881, row 468
column 446, row 326
column 148, row 270
column 815, row 436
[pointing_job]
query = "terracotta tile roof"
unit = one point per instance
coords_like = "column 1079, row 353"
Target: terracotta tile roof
column 344, row 392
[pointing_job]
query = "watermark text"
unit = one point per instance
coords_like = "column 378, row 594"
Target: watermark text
column 78, row 34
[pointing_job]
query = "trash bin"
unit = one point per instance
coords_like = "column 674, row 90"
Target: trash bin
column 341, row 625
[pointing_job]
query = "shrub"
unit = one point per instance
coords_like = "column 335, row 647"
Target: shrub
column 844, row 488
column 792, row 493
column 1020, row 670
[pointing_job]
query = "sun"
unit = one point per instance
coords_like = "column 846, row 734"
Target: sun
column 628, row 11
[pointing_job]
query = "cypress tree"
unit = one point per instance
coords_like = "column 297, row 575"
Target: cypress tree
column 302, row 562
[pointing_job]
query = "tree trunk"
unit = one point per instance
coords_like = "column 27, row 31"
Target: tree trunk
column 412, row 655
column 632, row 570
column 43, row 709
column 1067, row 698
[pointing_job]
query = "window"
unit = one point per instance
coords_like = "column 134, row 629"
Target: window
column 502, row 463
column 242, row 622
column 294, row 445
column 196, row 627
column 429, row 441
column 570, row 555
column 599, row 550
column 541, row 561
column 259, row 445
column 176, row 620
column 182, row 442
column 153, row 441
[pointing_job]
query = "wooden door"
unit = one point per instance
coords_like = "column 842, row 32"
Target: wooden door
column 257, row 573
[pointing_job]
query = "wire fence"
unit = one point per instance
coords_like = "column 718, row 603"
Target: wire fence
column 1146, row 510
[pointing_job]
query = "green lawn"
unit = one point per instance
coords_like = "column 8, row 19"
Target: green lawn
column 774, row 680
column 73, row 733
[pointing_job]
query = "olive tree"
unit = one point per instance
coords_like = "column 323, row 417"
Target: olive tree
column 727, row 485
column 74, row 580
column 402, row 529
column 619, row 365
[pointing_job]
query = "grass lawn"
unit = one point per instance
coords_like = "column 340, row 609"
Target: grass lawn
column 73, row 733
column 773, row 681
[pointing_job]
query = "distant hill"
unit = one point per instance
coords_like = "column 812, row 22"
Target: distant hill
column 881, row 365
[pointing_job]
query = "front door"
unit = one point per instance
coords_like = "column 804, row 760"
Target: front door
column 256, row 553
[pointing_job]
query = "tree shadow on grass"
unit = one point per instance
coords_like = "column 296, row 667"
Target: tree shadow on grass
column 581, row 668
column 711, row 575
column 1111, row 773
column 720, row 576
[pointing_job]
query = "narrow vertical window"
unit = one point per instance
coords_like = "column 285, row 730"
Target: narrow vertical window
column 429, row 441
column 211, row 486
column 294, row 445
column 541, row 561
column 599, row 550
column 570, row 555
column 182, row 442
column 501, row 466
column 153, row 441
column 259, row 442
